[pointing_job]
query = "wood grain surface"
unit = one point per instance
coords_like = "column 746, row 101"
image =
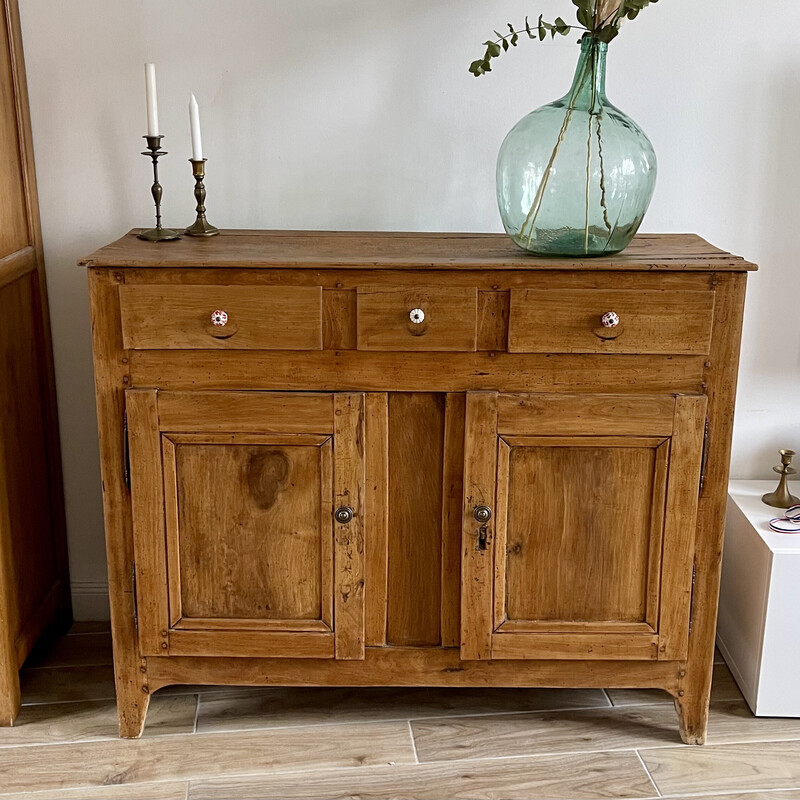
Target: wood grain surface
column 325, row 249
column 258, row 318
column 450, row 319
column 34, row 574
column 416, row 452
column 569, row 321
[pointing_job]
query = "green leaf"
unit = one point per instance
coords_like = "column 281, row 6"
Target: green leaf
column 561, row 26
column 505, row 45
column 514, row 39
column 476, row 68
column 528, row 30
column 492, row 49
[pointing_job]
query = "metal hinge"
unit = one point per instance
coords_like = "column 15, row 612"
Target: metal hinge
column 704, row 458
column 126, row 452
column 135, row 601
column 691, row 598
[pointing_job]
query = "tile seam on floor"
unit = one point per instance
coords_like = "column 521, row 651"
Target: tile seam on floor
column 632, row 748
column 23, row 704
column 744, row 793
column 647, row 772
column 366, row 767
column 297, row 771
column 413, row 742
column 644, row 747
column 196, row 713
column 480, row 715
column 41, row 792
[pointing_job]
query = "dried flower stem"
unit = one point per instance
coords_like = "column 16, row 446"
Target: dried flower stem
column 588, row 183
column 530, row 219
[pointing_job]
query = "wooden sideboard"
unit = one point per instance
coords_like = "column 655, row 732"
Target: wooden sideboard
column 34, row 575
column 414, row 459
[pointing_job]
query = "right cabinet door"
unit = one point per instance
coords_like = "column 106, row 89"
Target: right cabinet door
column 579, row 524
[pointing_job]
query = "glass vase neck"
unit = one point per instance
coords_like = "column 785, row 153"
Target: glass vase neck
column 588, row 91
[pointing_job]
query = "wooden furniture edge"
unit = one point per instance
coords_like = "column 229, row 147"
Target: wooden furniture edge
column 721, row 378
column 54, row 613
column 412, row 666
column 204, row 253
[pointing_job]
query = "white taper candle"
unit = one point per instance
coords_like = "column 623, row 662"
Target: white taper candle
column 194, row 122
column 152, row 99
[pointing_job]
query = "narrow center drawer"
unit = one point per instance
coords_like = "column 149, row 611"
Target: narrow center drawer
column 669, row 322
column 221, row 317
column 417, row 319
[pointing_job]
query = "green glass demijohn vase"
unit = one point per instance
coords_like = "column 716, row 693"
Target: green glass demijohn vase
column 575, row 177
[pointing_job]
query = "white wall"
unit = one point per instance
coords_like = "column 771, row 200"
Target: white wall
column 357, row 114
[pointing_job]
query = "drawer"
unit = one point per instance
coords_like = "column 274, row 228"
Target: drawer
column 671, row 322
column 417, row 319
column 255, row 317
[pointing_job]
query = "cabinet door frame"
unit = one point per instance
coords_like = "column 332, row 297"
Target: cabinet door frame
column 678, row 420
column 156, row 421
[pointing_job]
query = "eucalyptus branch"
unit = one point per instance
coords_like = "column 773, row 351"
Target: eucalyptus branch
column 511, row 39
column 600, row 19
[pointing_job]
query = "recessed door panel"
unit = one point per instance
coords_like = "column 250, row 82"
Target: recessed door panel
column 250, row 540
column 579, row 516
column 583, row 525
column 238, row 549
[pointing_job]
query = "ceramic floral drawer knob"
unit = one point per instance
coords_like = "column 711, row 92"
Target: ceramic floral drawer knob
column 417, row 316
column 610, row 319
column 219, row 318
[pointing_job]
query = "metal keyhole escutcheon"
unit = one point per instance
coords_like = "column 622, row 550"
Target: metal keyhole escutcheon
column 482, row 514
column 343, row 515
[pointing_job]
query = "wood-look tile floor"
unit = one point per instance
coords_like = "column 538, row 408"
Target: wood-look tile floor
column 218, row 743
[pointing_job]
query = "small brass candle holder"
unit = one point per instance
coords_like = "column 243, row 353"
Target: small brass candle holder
column 201, row 226
column 782, row 497
column 159, row 233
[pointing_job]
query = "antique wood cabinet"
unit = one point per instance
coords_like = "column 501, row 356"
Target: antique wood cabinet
column 34, row 575
column 414, row 459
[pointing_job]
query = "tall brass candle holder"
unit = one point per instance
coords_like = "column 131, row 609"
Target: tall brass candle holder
column 201, row 226
column 782, row 497
column 159, row 233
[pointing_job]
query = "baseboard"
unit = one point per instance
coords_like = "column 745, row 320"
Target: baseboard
column 90, row 601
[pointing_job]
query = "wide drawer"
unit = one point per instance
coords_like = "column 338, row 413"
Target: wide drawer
column 417, row 319
column 673, row 322
column 156, row 317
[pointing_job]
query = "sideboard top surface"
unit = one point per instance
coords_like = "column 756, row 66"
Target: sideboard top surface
column 437, row 251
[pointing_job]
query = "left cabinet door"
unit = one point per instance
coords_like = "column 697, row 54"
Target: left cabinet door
column 239, row 550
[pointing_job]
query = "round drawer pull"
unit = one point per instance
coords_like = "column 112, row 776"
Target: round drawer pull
column 610, row 319
column 219, row 318
column 343, row 515
column 417, row 316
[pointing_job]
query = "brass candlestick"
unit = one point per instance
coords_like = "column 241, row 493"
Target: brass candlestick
column 201, row 226
column 157, row 234
column 782, row 497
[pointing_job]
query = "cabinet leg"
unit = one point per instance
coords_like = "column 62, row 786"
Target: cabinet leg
column 9, row 695
column 693, row 717
column 132, row 707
